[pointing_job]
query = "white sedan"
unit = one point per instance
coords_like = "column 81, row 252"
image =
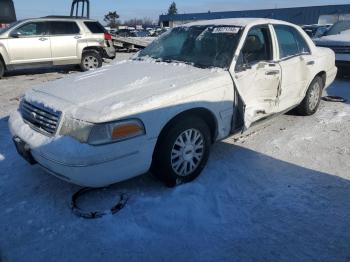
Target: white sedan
column 162, row 110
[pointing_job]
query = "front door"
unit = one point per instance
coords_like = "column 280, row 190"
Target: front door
column 29, row 43
column 257, row 77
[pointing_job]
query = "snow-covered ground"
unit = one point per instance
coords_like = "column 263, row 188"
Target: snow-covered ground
column 279, row 193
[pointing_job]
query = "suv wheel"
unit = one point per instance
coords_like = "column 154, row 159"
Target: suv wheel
column 312, row 98
column 91, row 60
column 182, row 153
column 2, row 69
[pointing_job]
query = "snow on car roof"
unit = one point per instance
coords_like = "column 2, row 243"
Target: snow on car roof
column 237, row 22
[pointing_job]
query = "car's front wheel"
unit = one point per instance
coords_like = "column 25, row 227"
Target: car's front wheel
column 182, row 151
column 2, row 69
column 312, row 98
column 90, row 60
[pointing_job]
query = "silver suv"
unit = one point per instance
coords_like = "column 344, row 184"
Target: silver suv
column 51, row 41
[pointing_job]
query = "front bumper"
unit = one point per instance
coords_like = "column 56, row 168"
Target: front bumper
column 109, row 50
column 82, row 164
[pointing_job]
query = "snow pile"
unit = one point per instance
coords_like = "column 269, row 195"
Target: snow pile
column 141, row 81
column 256, row 196
column 280, row 193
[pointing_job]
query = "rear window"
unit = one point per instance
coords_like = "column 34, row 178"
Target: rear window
column 63, row 28
column 95, row 27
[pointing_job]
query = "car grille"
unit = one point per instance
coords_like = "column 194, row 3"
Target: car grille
column 340, row 49
column 40, row 118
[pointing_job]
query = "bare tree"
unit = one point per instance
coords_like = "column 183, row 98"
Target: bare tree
column 112, row 19
column 146, row 22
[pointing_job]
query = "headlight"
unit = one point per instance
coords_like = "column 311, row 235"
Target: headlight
column 100, row 134
column 79, row 130
column 115, row 131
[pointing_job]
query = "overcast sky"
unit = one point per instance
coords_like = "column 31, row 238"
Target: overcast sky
column 153, row 8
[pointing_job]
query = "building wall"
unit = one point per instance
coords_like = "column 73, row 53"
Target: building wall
column 298, row 15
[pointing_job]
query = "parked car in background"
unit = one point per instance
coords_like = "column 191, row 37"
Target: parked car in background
column 124, row 32
column 338, row 39
column 160, row 31
column 132, row 33
column 113, row 31
column 51, row 41
column 141, row 33
column 316, row 30
column 162, row 110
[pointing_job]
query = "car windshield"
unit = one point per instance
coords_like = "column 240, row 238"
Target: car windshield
column 339, row 27
column 201, row 46
column 3, row 30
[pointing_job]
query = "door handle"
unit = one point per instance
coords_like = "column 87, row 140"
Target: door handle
column 272, row 72
column 43, row 39
column 310, row 63
column 77, row 37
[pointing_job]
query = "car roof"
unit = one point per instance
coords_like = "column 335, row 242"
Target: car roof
column 241, row 22
column 59, row 18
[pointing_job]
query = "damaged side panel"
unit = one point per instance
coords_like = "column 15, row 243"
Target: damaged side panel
column 259, row 89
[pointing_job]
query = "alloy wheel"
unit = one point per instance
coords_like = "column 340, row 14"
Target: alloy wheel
column 187, row 152
column 90, row 62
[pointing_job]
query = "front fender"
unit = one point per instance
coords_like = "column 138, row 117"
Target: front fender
column 4, row 54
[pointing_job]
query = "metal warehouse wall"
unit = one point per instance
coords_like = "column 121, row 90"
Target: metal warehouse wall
column 7, row 11
column 297, row 15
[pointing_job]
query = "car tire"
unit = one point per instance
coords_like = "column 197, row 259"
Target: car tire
column 182, row 151
column 312, row 98
column 2, row 69
column 90, row 60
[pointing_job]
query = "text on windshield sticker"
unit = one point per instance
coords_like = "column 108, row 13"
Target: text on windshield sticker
column 226, row 30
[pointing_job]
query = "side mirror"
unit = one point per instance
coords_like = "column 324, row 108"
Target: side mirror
column 15, row 34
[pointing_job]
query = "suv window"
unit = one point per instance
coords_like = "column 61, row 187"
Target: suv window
column 257, row 46
column 63, row 28
column 95, row 27
column 290, row 41
column 31, row 29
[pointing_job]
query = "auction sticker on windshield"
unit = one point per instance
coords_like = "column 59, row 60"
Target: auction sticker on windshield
column 226, row 30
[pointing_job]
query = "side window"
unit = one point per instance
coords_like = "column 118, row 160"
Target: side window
column 31, row 29
column 302, row 44
column 64, row 28
column 95, row 27
column 290, row 42
column 257, row 46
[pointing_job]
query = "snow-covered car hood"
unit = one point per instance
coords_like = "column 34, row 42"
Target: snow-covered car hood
column 123, row 88
column 342, row 39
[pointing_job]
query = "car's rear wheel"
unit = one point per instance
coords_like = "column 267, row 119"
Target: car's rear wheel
column 182, row 151
column 91, row 60
column 2, row 68
column 312, row 98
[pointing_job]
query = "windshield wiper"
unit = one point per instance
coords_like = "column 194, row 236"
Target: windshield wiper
column 174, row 61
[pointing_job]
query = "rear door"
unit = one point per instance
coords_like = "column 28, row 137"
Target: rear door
column 256, row 75
column 29, row 43
column 64, row 39
column 295, row 60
